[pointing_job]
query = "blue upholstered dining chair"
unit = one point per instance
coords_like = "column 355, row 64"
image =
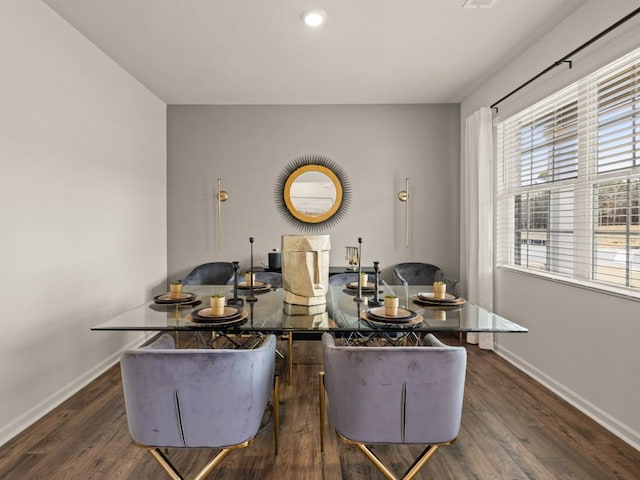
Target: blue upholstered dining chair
column 393, row 395
column 418, row 273
column 197, row 398
column 213, row 273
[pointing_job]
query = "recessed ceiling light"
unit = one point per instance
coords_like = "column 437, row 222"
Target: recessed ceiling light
column 314, row 17
column 479, row 3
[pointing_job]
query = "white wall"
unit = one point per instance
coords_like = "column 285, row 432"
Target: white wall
column 378, row 146
column 82, row 208
column 581, row 343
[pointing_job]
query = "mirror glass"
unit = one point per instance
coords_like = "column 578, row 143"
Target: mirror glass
column 312, row 194
column 313, row 190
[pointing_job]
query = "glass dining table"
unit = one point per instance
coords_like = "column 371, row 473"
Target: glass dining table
column 347, row 314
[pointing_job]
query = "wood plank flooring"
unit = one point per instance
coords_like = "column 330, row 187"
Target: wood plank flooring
column 512, row 428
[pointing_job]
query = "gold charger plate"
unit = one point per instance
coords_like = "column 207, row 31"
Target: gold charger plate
column 229, row 313
column 378, row 313
column 441, row 305
column 234, row 322
column 414, row 321
column 368, row 286
column 256, row 286
column 166, row 298
column 431, row 297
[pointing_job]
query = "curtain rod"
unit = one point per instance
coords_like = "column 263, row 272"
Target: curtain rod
column 566, row 58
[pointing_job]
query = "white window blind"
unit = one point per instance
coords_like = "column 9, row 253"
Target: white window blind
column 568, row 186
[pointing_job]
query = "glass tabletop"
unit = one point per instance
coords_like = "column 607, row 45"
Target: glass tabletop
column 342, row 313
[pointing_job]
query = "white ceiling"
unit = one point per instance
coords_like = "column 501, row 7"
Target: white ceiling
column 259, row 52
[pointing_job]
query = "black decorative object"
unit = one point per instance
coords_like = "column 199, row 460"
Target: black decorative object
column 376, row 301
column 235, row 301
column 359, row 298
column 251, row 298
column 322, row 164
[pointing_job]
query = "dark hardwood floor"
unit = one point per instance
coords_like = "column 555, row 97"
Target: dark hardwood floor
column 512, row 428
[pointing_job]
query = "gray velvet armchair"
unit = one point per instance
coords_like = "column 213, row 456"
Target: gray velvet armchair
column 417, row 273
column 343, row 278
column 393, row 395
column 213, row 273
column 197, row 398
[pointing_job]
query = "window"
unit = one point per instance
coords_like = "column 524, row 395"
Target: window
column 568, row 186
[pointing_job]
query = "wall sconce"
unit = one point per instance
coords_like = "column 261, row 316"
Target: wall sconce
column 221, row 196
column 403, row 196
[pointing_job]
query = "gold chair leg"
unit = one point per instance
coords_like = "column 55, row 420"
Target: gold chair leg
column 424, row 457
column 173, row 473
column 373, row 459
column 164, row 462
column 276, row 414
column 321, row 403
column 420, row 462
column 204, row 473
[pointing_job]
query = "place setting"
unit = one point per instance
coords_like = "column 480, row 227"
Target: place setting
column 367, row 286
column 438, row 298
column 391, row 314
column 219, row 314
column 176, row 296
column 258, row 287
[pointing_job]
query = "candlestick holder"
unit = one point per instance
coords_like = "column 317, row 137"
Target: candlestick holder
column 376, row 301
column 235, row 301
column 251, row 298
column 359, row 298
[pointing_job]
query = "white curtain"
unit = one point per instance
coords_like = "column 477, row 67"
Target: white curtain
column 476, row 204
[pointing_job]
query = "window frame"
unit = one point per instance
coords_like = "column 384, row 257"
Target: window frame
column 589, row 178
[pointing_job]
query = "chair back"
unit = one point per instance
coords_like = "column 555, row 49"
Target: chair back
column 343, row 278
column 196, row 397
column 416, row 273
column 395, row 394
column 272, row 278
column 214, row 273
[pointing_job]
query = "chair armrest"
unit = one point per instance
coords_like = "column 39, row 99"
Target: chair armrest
column 401, row 278
column 432, row 341
column 453, row 285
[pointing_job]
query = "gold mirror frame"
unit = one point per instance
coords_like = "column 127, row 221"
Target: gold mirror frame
column 313, row 163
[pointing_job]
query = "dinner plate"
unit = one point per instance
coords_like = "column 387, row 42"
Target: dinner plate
column 168, row 307
column 388, row 323
column 430, row 297
column 368, row 286
column 378, row 313
column 229, row 323
column 256, row 286
column 206, row 314
column 435, row 303
column 167, row 298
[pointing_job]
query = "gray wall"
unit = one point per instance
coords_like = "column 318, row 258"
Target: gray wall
column 82, row 206
column 378, row 145
column 582, row 344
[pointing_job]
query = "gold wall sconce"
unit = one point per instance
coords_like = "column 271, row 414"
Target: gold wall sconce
column 403, row 196
column 221, row 196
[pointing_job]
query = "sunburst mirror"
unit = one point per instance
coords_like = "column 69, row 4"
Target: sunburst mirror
column 313, row 192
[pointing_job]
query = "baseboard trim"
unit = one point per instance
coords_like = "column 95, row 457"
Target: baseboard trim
column 616, row 427
column 48, row 404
